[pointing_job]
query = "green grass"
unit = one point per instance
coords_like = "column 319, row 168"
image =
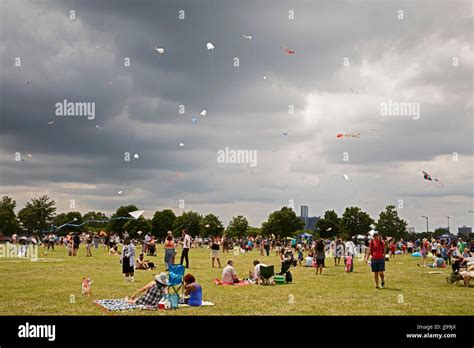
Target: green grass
column 44, row 288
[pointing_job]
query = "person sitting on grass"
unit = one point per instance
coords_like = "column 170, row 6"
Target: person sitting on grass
column 192, row 290
column 309, row 260
column 113, row 250
column 438, row 262
column 229, row 276
column 155, row 291
column 469, row 272
column 466, row 253
column 255, row 274
column 144, row 264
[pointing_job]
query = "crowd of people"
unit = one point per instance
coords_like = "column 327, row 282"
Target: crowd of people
column 373, row 249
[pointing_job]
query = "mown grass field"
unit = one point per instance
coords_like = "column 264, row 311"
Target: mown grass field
column 45, row 287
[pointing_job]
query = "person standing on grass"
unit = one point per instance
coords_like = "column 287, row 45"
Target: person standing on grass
column 350, row 252
column 169, row 250
column 393, row 248
column 377, row 253
column 267, row 246
column 319, row 256
column 338, row 251
column 89, row 246
column 215, row 244
column 424, row 250
column 128, row 260
column 186, row 247
column 76, row 242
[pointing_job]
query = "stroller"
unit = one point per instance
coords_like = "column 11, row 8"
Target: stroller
column 285, row 270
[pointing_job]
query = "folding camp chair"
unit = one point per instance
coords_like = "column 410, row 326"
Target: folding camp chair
column 175, row 281
column 266, row 274
column 175, row 284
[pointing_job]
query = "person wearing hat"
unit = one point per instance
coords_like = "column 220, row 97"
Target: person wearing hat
column 377, row 253
column 155, row 291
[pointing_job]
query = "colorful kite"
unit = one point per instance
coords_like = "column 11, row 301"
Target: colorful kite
column 351, row 135
column 287, row 50
column 428, row 177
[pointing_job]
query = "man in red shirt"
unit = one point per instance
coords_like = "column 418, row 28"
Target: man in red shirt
column 377, row 252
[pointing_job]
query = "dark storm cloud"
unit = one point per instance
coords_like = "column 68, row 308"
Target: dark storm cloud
column 137, row 106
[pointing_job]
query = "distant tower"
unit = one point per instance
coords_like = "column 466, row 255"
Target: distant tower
column 304, row 211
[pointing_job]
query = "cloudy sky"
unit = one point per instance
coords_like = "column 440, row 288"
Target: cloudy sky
column 349, row 58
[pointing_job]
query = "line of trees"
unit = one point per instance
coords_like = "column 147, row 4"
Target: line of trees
column 40, row 215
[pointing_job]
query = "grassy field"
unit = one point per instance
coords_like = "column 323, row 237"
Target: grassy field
column 45, row 287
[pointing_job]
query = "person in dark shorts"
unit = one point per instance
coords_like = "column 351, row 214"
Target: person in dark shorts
column 76, row 241
column 319, row 256
column 377, row 253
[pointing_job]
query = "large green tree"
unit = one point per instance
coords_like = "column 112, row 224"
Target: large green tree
column 37, row 215
column 140, row 224
column 162, row 222
column 73, row 217
column 354, row 221
column 116, row 226
column 212, row 226
column 238, row 226
column 8, row 222
column 191, row 221
column 389, row 224
column 329, row 225
column 282, row 223
column 95, row 226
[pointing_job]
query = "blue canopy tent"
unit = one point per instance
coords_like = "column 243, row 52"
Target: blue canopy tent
column 307, row 236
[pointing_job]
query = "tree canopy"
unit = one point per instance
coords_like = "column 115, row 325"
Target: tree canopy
column 283, row 223
column 238, row 226
column 354, row 221
column 38, row 214
column 389, row 224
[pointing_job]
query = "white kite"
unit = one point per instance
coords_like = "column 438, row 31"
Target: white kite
column 248, row 37
column 210, row 46
column 346, row 177
column 160, row 50
column 203, row 113
column 51, row 122
column 136, row 214
column 120, row 192
column 181, row 144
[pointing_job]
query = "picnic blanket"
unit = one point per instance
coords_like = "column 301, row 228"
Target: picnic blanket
column 242, row 283
column 121, row 304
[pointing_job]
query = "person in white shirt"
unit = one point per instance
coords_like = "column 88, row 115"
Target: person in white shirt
column 229, row 276
column 186, row 247
column 255, row 274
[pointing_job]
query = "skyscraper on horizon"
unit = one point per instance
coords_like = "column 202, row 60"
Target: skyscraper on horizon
column 304, row 211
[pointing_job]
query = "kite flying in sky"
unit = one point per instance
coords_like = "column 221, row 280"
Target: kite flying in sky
column 428, row 177
column 287, row 50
